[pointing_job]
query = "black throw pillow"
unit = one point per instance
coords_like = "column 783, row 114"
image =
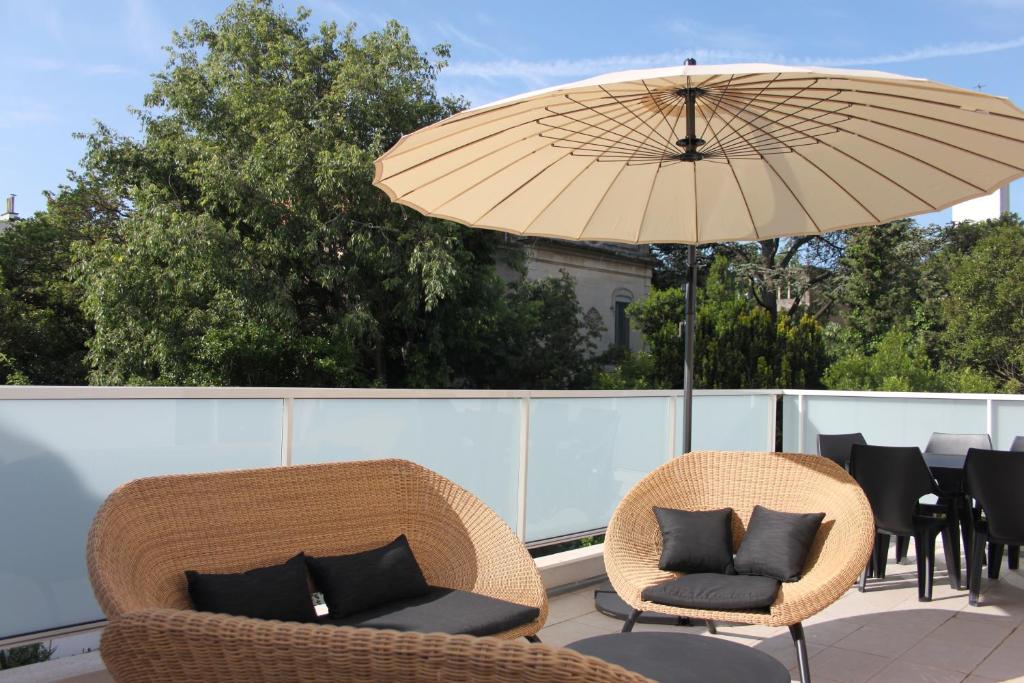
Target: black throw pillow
column 358, row 582
column 695, row 541
column 777, row 543
column 278, row 592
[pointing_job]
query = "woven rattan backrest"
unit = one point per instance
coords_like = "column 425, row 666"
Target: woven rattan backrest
column 708, row 480
column 150, row 531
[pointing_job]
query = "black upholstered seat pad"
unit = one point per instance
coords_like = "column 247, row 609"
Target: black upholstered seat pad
column 715, row 591
column 446, row 611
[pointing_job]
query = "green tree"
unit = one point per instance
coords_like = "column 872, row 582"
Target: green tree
column 255, row 251
column 983, row 311
column 738, row 344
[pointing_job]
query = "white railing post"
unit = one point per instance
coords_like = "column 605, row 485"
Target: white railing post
column 524, row 464
column 287, row 424
column 772, row 416
column 801, row 429
column 990, row 421
column 671, row 438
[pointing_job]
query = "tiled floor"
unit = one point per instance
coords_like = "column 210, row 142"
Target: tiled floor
column 884, row 635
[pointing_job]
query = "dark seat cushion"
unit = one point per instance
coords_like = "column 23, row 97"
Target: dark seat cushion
column 715, row 591
column 695, row 541
column 361, row 581
column 446, row 611
column 277, row 592
column 777, row 543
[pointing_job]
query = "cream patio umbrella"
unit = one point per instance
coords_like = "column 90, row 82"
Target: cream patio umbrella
column 702, row 154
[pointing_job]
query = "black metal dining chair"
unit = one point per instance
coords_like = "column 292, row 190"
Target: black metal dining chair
column 894, row 480
column 956, row 444
column 994, row 479
column 836, row 447
column 1018, row 444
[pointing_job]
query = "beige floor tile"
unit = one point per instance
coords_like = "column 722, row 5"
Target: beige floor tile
column 1005, row 662
column 570, row 605
column 566, row 632
column 908, row 672
column 886, row 642
column 845, row 666
column 965, row 629
column 958, row 657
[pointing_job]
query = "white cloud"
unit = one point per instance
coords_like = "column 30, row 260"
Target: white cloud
column 26, row 111
column 50, row 64
column 545, row 71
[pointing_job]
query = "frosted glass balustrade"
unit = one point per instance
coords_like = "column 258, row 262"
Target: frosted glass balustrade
column 729, row 422
column 60, row 458
column 473, row 442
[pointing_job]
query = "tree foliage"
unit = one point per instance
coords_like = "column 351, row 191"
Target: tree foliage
column 253, row 249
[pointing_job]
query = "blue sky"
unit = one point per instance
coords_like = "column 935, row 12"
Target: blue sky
column 68, row 63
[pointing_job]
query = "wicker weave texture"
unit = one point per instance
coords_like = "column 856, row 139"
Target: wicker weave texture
column 176, row 645
column 149, row 531
column 708, row 480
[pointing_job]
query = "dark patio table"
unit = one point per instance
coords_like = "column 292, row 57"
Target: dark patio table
column 948, row 470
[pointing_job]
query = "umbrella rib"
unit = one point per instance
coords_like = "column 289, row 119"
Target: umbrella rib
column 592, row 145
column 642, row 121
column 558, row 195
column 743, row 196
column 622, row 136
column 788, row 188
column 714, row 110
column 876, row 171
column 853, row 103
column 910, row 156
column 814, row 165
column 771, row 135
column 657, row 104
column 729, row 122
column 600, row 201
column 647, row 204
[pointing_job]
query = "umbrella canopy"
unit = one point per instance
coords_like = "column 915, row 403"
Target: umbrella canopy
column 703, row 154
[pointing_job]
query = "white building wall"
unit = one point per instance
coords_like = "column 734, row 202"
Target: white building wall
column 983, row 208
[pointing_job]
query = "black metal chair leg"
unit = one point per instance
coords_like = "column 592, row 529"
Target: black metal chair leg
column 797, row 631
column 1013, row 557
column 974, row 576
column 995, row 559
column 534, row 638
column 630, row 621
column 921, row 549
column 862, row 582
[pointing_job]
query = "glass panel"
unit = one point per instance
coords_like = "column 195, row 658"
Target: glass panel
column 473, row 442
column 61, row 458
column 728, row 423
column 585, row 454
column 1008, row 422
column 891, row 421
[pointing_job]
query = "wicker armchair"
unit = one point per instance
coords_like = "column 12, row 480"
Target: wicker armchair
column 781, row 481
column 149, row 531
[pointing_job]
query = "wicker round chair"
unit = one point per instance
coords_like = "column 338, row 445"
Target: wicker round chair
column 150, row 531
column 712, row 480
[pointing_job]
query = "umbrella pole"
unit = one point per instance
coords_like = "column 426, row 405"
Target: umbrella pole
column 688, row 340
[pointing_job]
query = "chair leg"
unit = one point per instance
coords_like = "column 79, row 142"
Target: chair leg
column 952, row 552
column 631, row 621
column 920, row 548
column 1013, row 557
column 712, row 629
column 995, row 559
column 881, row 554
column 797, row 631
column 901, row 548
column 974, row 575
column 534, row 638
column 862, row 582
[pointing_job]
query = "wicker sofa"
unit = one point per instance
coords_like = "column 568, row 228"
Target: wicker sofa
column 149, row 531
column 709, row 480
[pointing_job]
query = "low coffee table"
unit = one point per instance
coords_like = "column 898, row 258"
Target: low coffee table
column 682, row 658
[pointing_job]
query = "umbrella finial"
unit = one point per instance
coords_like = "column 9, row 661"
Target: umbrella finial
column 690, row 61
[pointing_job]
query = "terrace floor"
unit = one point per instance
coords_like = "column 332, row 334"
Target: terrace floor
column 884, row 635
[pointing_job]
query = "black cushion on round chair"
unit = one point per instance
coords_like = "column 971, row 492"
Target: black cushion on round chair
column 776, row 543
column 715, row 591
column 695, row 540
